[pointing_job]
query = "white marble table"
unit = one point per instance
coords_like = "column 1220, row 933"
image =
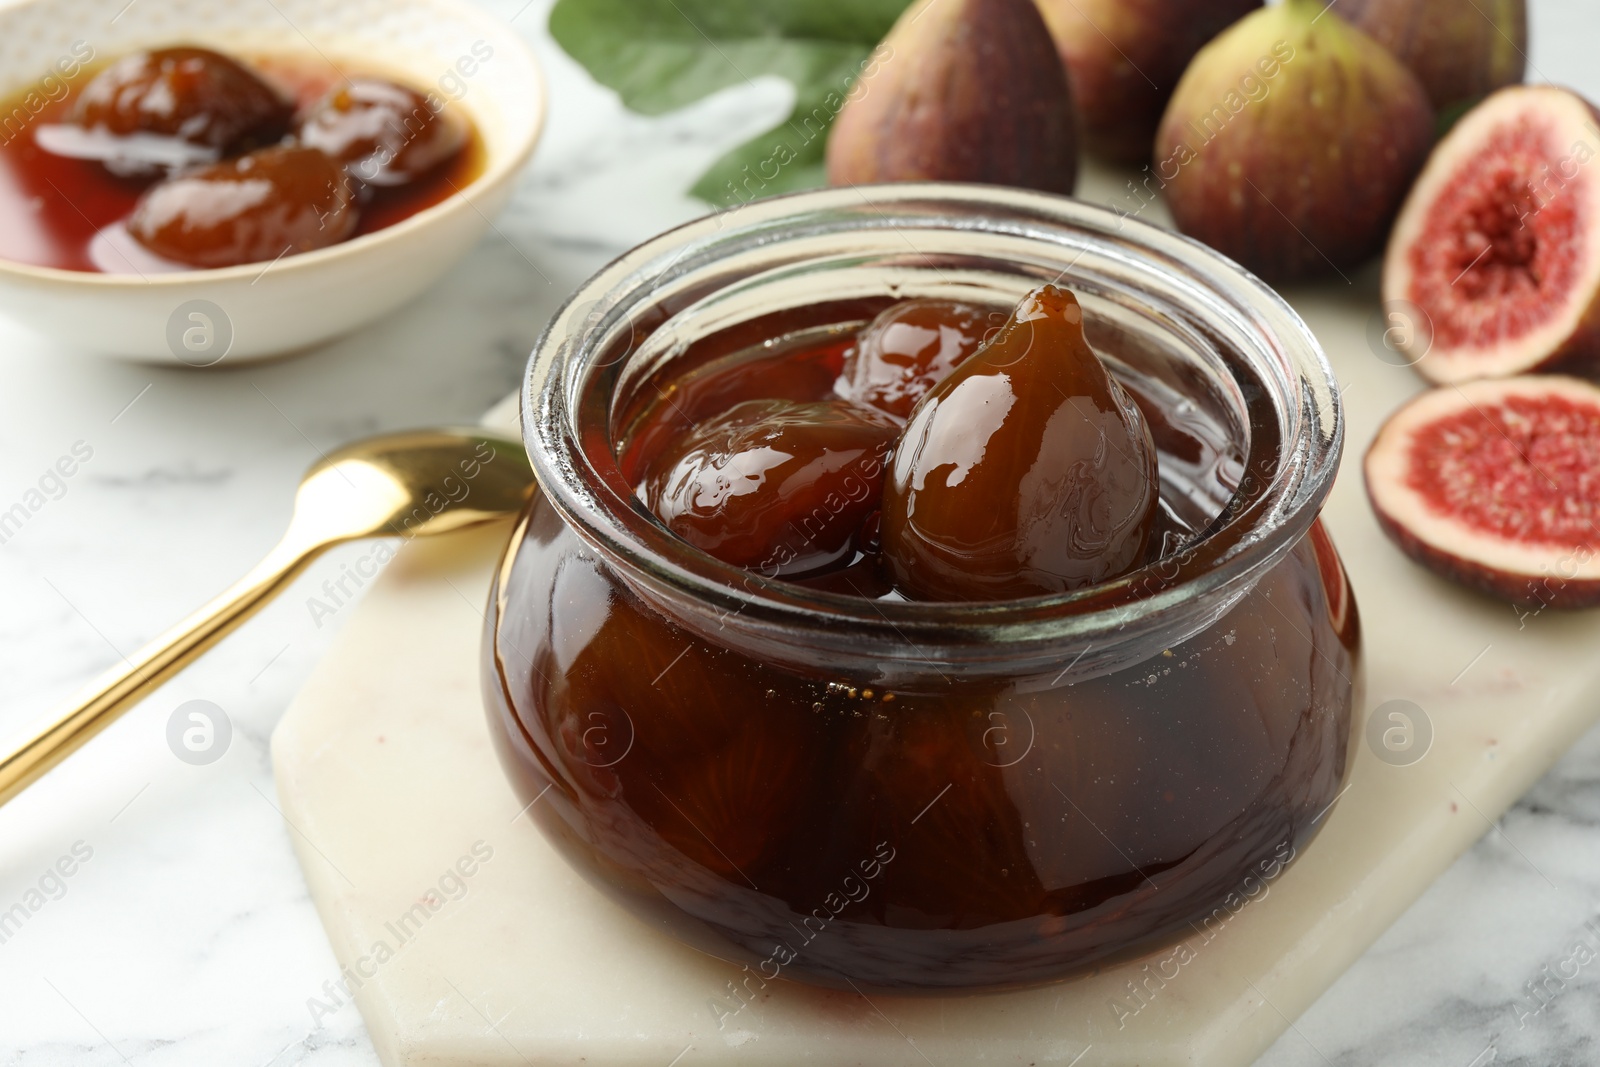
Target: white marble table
column 184, row 933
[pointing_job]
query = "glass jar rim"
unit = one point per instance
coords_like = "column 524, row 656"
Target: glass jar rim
column 597, row 502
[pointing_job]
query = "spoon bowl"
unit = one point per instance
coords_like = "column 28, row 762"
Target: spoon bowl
column 412, row 484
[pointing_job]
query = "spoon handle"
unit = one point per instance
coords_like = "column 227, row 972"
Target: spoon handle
column 152, row 665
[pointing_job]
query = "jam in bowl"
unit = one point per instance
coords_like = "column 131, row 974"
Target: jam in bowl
column 184, row 158
column 761, row 703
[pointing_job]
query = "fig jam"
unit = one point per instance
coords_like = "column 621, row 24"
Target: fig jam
column 780, row 487
column 60, row 211
column 953, row 828
column 1026, row 471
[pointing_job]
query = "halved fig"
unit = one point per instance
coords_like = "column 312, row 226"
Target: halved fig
column 1498, row 246
column 1495, row 484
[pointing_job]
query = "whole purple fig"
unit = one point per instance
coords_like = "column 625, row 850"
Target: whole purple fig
column 1125, row 57
column 1291, row 141
column 970, row 91
column 1461, row 52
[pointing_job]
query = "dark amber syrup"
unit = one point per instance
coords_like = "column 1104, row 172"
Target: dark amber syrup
column 951, row 832
column 1193, row 452
column 53, row 207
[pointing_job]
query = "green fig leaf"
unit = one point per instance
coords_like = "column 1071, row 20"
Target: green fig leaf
column 661, row 55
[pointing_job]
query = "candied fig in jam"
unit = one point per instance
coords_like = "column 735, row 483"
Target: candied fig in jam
column 1027, row 472
column 777, row 486
column 385, row 134
column 907, row 350
column 158, row 111
column 269, row 203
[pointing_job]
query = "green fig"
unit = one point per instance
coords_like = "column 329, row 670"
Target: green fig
column 1124, row 58
column 1461, row 52
column 972, row 91
column 1291, row 141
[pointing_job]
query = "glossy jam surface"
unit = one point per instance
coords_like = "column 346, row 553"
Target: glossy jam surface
column 1020, row 466
column 250, row 209
column 777, row 486
column 1026, row 471
column 908, row 350
column 67, row 212
column 153, row 112
column 951, row 832
column 384, row 133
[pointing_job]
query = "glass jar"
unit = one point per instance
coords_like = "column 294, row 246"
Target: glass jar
column 914, row 795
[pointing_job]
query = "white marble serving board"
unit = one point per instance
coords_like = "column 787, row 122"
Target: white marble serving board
column 385, row 771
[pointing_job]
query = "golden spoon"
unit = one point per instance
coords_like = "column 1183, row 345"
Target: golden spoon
column 411, row 484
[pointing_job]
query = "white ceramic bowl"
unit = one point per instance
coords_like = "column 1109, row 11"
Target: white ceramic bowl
column 305, row 299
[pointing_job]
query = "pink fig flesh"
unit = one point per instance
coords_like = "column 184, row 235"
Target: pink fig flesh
column 1496, row 485
column 1496, row 254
